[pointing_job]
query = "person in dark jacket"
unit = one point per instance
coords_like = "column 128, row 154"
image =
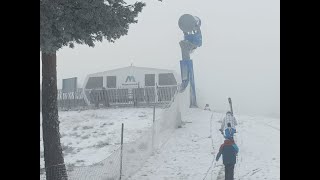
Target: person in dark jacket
column 229, row 151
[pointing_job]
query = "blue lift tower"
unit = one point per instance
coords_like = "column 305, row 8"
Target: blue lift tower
column 190, row 26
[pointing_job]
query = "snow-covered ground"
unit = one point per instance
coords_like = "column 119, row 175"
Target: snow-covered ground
column 87, row 137
column 189, row 153
column 91, row 136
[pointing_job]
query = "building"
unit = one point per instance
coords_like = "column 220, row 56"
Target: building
column 131, row 85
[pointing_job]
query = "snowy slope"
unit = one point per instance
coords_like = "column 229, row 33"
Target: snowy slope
column 189, row 153
column 259, row 140
column 87, row 137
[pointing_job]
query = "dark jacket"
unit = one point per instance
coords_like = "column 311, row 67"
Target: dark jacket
column 229, row 152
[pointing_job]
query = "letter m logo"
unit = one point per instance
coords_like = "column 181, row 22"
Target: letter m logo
column 130, row 79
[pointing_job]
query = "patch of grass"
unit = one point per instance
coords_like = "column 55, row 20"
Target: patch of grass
column 102, row 125
column 103, row 134
column 70, row 167
column 98, row 164
column 87, row 127
column 62, row 135
column 80, row 161
column 110, row 178
column 93, row 116
column 86, row 136
column 101, row 144
column 74, row 134
column 67, row 149
column 143, row 146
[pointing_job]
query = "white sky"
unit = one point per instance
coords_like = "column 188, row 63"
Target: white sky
column 240, row 55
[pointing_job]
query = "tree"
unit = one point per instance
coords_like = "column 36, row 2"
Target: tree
column 63, row 23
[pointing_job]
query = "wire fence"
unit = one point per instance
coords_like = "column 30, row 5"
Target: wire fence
column 131, row 157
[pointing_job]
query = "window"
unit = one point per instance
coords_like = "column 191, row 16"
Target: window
column 167, row 79
column 94, row 82
column 111, row 81
column 69, row 85
column 149, row 79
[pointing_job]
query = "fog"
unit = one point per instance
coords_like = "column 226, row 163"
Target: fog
column 239, row 57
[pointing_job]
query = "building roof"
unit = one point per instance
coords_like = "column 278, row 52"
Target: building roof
column 131, row 68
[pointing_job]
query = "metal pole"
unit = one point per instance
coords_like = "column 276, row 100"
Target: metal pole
column 154, row 112
column 155, row 93
column 121, row 151
column 154, row 117
column 74, row 98
column 69, row 100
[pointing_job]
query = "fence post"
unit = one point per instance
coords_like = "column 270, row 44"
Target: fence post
column 153, row 119
column 74, row 97
column 69, row 101
column 179, row 119
column 62, row 101
column 156, row 93
column 121, row 151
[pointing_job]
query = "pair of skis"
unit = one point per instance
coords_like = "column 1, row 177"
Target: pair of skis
column 230, row 104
